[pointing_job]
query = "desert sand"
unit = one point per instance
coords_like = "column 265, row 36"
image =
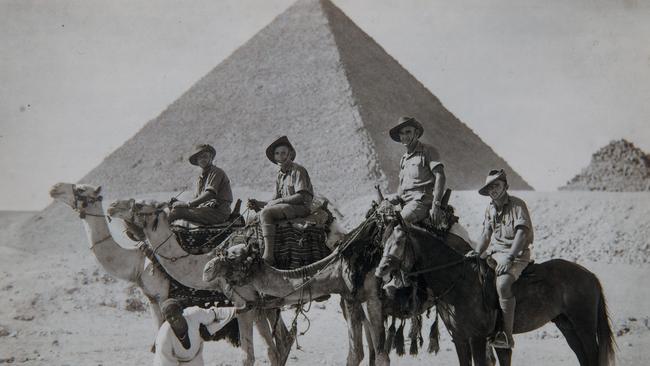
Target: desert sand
column 60, row 308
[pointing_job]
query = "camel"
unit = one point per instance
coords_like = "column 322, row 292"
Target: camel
column 122, row 263
column 128, row 265
column 151, row 216
column 348, row 271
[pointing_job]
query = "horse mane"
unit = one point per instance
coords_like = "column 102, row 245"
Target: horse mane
column 364, row 253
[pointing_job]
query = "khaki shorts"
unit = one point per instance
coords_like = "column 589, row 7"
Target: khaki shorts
column 417, row 206
column 518, row 265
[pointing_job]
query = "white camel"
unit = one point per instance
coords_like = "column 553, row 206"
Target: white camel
column 128, row 264
column 151, row 216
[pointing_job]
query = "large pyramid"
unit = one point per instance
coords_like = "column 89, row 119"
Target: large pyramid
column 313, row 75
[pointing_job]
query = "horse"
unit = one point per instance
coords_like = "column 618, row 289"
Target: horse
column 557, row 291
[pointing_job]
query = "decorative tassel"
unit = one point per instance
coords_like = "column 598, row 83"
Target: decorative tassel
column 414, row 334
column 399, row 340
column 388, row 346
column 434, row 337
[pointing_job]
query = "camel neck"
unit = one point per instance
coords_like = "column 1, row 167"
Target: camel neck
column 125, row 264
column 180, row 265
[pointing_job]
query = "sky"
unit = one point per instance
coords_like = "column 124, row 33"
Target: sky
column 544, row 83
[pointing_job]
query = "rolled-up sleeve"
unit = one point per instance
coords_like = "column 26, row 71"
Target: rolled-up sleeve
column 521, row 217
column 487, row 221
column 301, row 181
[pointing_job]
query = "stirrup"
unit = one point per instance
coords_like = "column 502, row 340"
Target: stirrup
column 501, row 340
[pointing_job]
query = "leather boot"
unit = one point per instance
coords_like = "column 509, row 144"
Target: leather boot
column 268, row 233
column 504, row 338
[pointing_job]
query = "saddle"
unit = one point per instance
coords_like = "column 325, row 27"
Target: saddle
column 196, row 239
column 298, row 242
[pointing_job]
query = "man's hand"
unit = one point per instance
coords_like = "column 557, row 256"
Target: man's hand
column 274, row 202
column 180, row 204
column 436, row 216
column 503, row 265
column 393, row 199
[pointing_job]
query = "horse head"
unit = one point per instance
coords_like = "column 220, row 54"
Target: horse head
column 394, row 229
column 232, row 264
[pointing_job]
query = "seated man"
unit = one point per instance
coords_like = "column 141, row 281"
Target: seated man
column 508, row 224
column 293, row 193
column 211, row 203
column 179, row 338
column 421, row 185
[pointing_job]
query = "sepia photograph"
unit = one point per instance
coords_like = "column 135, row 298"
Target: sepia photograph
column 324, row 182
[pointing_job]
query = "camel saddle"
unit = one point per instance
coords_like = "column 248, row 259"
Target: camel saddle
column 197, row 239
column 298, row 242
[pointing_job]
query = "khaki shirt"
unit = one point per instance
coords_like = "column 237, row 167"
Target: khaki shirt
column 416, row 168
column 214, row 179
column 295, row 180
column 503, row 224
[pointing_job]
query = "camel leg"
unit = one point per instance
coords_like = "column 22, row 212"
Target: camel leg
column 504, row 355
column 573, row 339
column 464, row 352
column 283, row 339
column 375, row 317
column 264, row 328
column 353, row 315
column 477, row 347
column 246, row 337
column 154, row 309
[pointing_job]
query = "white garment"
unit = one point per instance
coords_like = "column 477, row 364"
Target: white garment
column 170, row 350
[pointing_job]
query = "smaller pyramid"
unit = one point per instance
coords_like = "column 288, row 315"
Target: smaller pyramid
column 618, row 167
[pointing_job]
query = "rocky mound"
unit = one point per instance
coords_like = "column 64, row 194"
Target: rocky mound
column 618, row 167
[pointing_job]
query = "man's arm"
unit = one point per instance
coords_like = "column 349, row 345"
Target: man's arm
column 486, row 235
column 295, row 199
column 519, row 244
column 439, row 187
column 203, row 197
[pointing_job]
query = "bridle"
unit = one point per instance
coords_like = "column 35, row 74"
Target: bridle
column 396, row 216
column 80, row 203
column 155, row 213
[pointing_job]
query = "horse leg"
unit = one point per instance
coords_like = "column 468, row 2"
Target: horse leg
column 477, row 347
column 504, row 355
column 263, row 327
column 353, row 315
column 371, row 347
column 245, row 321
column 373, row 310
column 464, row 352
column 571, row 336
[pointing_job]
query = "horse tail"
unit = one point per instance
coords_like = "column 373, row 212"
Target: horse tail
column 604, row 335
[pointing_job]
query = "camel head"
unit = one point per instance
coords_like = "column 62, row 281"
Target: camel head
column 234, row 264
column 77, row 196
column 136, row 212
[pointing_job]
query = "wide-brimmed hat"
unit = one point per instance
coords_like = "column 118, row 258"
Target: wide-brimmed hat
column 199, row 149
column 492, row 177
column 405, row 122
column 280, row 141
